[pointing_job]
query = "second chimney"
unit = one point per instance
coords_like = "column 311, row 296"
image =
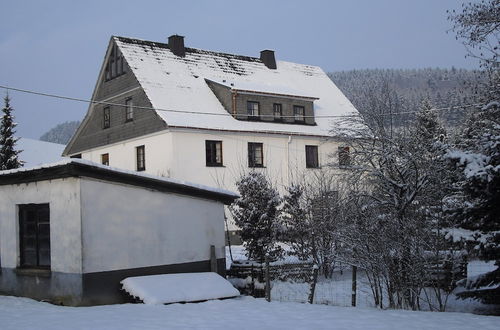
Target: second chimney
column 267, row 57
column 176, row 45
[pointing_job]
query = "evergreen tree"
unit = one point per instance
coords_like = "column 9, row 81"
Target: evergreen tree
column 296, row 226
column 8, row 154
column 478, row 154
column 256, row 213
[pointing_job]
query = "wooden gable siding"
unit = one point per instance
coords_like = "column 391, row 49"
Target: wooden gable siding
column 117, row 90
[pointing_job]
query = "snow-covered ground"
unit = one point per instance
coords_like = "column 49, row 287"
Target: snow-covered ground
column 240, row 313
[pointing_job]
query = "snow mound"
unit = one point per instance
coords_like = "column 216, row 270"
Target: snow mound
column 183, row 287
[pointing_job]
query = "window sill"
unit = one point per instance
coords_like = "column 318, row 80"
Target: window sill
column 129, row 120
column 42, row 272
column 215, row 165
column 257, row 166
column 313, row 168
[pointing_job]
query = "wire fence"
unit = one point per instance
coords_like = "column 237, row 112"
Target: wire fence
column 292, row 280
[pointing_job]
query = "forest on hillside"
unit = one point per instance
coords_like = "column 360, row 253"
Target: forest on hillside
column 400, row 92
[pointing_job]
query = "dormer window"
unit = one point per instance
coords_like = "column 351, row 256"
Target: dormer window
column 298, row 114
column 253, row 110
column 116, row 64
column 277, row 111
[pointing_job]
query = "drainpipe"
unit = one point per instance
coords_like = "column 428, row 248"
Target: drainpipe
column 234, row 94
column 288, row 160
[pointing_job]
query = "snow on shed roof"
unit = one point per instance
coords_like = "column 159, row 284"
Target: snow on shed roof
column 178, row 83
column 71, row 167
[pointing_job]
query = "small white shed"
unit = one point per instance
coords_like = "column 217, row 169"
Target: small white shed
column 71, row 231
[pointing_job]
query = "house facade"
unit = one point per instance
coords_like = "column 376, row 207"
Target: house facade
column 209, row 117
column 71, row 231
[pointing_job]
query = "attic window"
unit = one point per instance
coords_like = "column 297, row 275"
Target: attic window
column 298, row 113
column 253, row 110
column 106, row 118
column 278, row 111
column 129, row 109
column 116, row 64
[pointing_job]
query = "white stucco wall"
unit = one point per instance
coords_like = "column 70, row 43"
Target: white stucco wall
column 63, row 196
column 180, row 154
column 158, row 148
column 130, row 227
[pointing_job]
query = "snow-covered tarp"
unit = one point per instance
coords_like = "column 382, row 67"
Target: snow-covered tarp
column 183, row 287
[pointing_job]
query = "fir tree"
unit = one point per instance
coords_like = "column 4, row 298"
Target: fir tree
column 8, row 154
column 256, row 213
column 478, row 154
column 295, row 220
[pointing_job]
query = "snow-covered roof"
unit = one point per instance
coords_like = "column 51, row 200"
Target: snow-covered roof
column 178, row 83
column 35, row 152
column 87, row 168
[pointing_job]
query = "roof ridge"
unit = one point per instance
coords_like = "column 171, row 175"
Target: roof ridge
column 188, row 49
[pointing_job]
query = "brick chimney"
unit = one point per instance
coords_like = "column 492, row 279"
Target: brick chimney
column 267, row 57
column 176, row 45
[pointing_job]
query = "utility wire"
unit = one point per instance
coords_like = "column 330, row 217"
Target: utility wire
column 221, row 114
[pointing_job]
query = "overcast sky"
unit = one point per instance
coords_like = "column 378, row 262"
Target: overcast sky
column 58, row 46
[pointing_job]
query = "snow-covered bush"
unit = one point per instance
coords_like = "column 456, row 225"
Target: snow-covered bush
column 256, row 214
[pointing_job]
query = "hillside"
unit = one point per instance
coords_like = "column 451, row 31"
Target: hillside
column 61, row 133
column 402, row 91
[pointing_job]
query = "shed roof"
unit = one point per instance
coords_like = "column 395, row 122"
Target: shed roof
column 177, row 83
column 72, row 167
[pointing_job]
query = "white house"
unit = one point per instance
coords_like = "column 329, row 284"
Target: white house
column 209, row 117
column 71, row 231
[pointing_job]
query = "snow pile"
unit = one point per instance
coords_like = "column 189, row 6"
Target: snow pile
column 184, row 287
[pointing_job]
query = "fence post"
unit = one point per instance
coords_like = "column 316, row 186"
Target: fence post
column 213, row 259
column 354, row 284
column 313, row 284
column 268, row 280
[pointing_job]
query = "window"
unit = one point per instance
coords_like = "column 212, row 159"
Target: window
column 129, row 109
column 213, row 153
column 116, row 64
column 105, row 159
column 253, row 110
column 255, row 155
column 344, row 156
column 298, row 113
column 34, row 235
column 312, row 157
column 278, row 112
column 107, row 118
column 141, row 158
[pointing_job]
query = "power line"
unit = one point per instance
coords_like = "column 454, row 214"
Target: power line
column 27, row 91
